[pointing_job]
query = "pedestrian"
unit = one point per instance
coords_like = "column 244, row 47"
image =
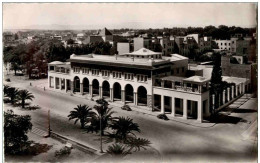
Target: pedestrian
column 44, row 88
column 30, row 84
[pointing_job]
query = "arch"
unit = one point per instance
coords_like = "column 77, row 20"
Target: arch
column 142, row 95
column 85, row 85
column 106, row 88
column 117, row 90
column 129, row 93
column 95, row 86
column 76, row 84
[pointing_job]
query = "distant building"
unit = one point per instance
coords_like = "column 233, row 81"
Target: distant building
column 123, row 47
column 223, row 44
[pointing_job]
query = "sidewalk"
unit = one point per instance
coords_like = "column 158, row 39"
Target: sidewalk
column 140, row 109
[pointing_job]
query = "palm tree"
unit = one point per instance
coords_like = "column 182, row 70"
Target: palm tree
column 124, row 127
column 12, row 93
column 6, row 87
column 82, row 113
column 117, row 151
column 136, row 144
column 102, row 111
column 25, row 95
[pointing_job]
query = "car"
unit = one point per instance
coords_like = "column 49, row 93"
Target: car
column 126, row 107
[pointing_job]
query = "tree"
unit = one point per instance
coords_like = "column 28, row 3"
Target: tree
column 132, row 144
column 70, row 41
column 6, row 88
column 12, row 93
column 216, row 77
column 15, row 129
column 117, row 151
column 25, row 95
column 124, row 127
column 101, row 112
column 82, row 113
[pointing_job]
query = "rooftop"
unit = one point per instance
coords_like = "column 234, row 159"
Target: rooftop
column 143, row 52
column 196, row 79
column 235, row 80
column 116, row 59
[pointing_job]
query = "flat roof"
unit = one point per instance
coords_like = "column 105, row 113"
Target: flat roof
column 143, row 52
column 196, row 79
column 235, row 80
column 116, row 59
column 173, row 78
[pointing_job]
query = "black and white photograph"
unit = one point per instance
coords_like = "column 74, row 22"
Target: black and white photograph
column 130, row 82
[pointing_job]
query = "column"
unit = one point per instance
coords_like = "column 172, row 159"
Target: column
column 185, row 109
column 65, row 83
column 232, row 91
column 135, row 98
column 49, row 80
column 60, row 81
column 72, row 86
column 224, row 96
column 150, row 101
column 123, row 96
column 162, row 83
column 162, row 104
column 236, row 91
column 173, row 106
column 55, row 83
column 213, row 103
column 199, row 88
column 200, row 111
column 81, row 88
column 228, row 94
column 100, row 92
column 90, row 91
column 111, row 94
column 173, row 85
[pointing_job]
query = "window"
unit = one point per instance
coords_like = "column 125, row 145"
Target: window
column 76, row 69
column 52, row 68
column 178, row 70
column 182, row 69
column 221, row 43
column 95, row 72
column 85, row 71
column 129, row 76
column 225, row 43
column 105, row 73
column 117, row 74
column 142, row 78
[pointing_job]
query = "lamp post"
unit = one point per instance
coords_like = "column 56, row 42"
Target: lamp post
column 101, row 150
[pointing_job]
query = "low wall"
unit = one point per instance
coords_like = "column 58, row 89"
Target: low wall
column 75, row 144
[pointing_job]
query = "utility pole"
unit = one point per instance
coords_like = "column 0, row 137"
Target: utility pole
column 100, row 117
column 49, row 123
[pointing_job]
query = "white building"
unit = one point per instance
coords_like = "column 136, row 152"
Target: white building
column 143, row 78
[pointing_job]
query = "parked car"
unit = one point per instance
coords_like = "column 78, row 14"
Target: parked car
column 126, row 107
column 162, row 116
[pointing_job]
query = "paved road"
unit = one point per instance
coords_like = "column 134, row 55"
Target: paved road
column 174, row 141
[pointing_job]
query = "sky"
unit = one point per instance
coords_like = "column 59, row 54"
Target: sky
column 126, row 15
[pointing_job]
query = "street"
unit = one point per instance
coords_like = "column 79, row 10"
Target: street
column 174, row 141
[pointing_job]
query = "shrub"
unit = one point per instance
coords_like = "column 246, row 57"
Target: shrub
column 63, row 152
column 162, row 116
column 126, row 107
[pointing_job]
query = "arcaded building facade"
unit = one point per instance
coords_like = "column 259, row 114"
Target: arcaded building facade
column 143, row 78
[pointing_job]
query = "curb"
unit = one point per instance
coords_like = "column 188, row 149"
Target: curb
column 75, row 144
